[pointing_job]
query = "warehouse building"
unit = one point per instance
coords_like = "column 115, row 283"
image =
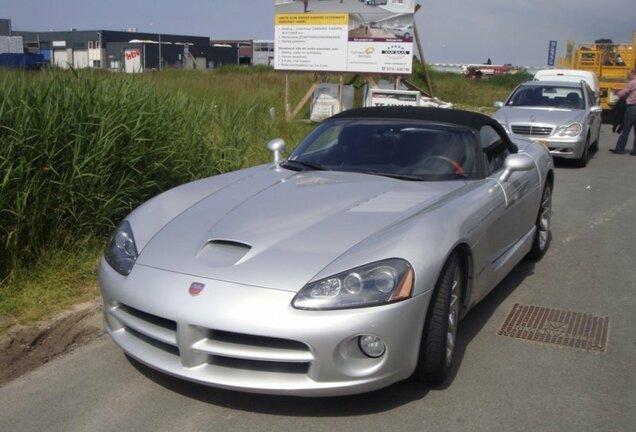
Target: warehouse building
column 129, row 51
column 251, row 52
column 110, row 49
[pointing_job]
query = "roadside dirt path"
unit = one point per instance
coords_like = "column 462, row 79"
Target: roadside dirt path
column 24, row 348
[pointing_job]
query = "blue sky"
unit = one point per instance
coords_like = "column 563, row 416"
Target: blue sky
column 452, row 31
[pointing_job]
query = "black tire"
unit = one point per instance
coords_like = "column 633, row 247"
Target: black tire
column 594, row 147
column 585, row 157
column 542, row 235
column 437, row 347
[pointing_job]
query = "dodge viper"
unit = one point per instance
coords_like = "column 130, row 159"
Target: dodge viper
column 340, row 269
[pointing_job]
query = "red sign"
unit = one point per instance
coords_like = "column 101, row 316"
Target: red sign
column 133, row 54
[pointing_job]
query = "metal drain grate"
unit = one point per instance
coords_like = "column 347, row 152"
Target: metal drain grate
column 555, row 326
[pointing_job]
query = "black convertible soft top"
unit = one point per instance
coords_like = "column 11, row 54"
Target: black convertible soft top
column 439, row 115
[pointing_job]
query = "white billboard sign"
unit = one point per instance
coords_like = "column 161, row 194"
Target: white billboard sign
column 344, row 36
column 379, row 98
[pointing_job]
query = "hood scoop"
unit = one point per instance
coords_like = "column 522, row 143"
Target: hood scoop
column 222, row 253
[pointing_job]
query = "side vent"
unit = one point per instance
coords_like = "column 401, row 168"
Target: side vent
column 222, row 253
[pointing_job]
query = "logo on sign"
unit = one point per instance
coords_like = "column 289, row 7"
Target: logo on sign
column 196, row 288
column 133, row 54
column 396, row 51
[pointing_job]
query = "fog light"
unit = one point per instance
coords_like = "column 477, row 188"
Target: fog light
column 372, row 346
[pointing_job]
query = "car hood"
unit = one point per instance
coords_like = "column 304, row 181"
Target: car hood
column 278, row 229
column 549, row 116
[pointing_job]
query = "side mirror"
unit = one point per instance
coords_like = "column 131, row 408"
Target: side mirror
column 277, row 147
column 516, row 162
column 596, row 109
column 498, row 104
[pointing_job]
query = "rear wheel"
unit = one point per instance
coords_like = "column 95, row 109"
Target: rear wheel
column 438, row 344
column 542, row 235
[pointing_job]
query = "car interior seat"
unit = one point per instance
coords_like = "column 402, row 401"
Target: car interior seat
column 574, row 99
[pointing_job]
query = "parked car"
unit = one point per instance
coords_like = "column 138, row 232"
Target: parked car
column 563, row 116
column 341, row 269
column 403, row 31
column 571, row 75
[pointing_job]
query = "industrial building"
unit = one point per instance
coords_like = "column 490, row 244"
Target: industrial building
column 132, row 51
column 124, row 50
column 129, row 51
column 250, row 52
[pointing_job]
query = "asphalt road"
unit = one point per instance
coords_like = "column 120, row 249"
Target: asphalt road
column 500, row 384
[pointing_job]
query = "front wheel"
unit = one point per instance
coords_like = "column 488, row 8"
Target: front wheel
column 542, row 235
column 438, row 344
column 585, row 157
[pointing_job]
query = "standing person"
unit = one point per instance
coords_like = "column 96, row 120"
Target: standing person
column 306, row 3
column 629, row 122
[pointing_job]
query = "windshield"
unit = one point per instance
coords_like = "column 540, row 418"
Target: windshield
column 409, row 150
column 547, row 96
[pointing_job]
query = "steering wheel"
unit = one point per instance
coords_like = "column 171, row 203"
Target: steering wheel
column 454, row 165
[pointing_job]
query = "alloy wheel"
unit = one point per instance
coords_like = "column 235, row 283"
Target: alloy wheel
column 453, row 315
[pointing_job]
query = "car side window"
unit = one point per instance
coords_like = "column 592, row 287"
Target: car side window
column 494, row 147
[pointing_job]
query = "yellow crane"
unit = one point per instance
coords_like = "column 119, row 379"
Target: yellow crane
column 610, row 61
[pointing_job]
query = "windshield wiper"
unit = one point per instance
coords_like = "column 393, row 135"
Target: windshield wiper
column 423, row 177
column 305, row 165
column 393, row 175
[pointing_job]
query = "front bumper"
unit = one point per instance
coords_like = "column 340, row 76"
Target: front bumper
column 250, row 339
column 567, row 148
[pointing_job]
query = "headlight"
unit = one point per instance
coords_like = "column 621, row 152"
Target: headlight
column 573, row 130
column 121, row 252
column 370, row 285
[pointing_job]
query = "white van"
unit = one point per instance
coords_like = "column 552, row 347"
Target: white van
column 570, row 75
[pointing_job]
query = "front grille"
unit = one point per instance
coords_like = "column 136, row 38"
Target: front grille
column 150, row 329
column 196, row 346
column 249, row 352
column 260, row 366
column 530, row 130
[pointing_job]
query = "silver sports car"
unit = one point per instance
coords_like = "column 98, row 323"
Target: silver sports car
column 341, row 269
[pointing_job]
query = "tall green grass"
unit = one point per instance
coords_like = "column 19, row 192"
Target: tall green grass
column 78, row 151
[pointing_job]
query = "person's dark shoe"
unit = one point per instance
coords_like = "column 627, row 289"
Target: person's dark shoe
column 618, row 151
column 633, row 154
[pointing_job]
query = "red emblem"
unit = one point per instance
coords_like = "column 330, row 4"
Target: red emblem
column 196, row 288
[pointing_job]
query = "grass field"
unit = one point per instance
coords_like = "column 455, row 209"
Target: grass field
column 79, row 150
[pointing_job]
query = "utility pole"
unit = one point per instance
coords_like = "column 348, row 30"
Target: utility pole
column 160, row 52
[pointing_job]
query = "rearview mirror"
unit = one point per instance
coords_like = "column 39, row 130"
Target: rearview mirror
column 277, row 147
column 498, row 104
column 596, row 109
column 516, row 162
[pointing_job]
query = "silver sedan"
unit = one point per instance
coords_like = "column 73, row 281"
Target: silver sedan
column 560, row 115
column 341, row 269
